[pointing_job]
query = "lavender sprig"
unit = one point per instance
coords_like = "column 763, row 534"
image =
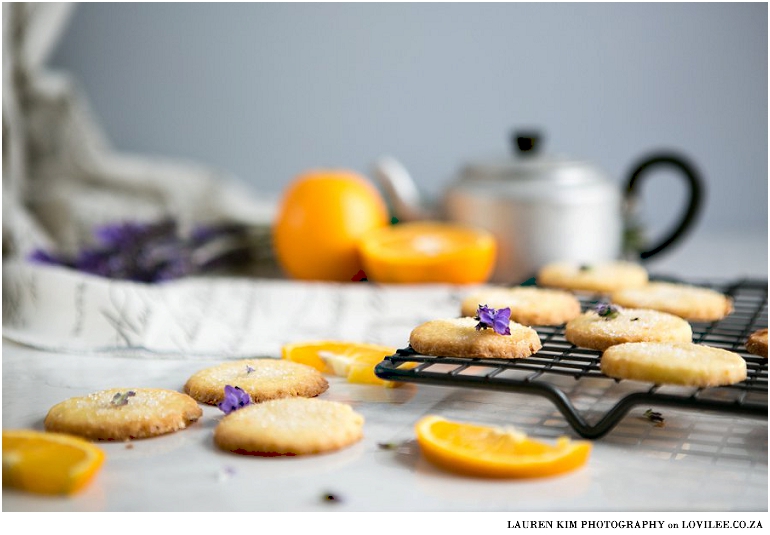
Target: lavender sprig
column 497, row 320
column 154, row 252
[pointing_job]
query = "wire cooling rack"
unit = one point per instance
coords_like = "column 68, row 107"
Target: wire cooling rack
column 591, row 402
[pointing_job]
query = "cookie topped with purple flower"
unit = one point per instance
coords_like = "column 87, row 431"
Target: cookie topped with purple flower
column 608, row 324
column 489, row 334
column 123, row 414
column 232, row 385
column 497, row 320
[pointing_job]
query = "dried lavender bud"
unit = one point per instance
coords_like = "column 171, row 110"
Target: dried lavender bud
column 121, row 398
column 655, row 417
column 607, row 311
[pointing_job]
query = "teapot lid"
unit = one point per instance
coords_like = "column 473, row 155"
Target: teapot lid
column 529, row 163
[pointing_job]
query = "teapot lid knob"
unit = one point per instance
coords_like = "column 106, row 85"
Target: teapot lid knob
column 527, row 142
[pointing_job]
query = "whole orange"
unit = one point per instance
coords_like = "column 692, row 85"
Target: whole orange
column 320, row 220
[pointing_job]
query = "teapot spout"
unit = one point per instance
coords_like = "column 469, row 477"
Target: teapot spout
column 400, row 190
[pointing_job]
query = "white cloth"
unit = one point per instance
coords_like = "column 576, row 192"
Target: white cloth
column 61, row 177
column 62, row 310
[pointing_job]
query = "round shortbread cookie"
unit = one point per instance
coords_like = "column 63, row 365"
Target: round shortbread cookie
column 116, row 414
column 593, row 331
column 262, row 379
column 685, row 364
column 458, row 337
column 289, row 426
column 692, row 303
column 604, row 277
column 757, row 343
column 529, row 306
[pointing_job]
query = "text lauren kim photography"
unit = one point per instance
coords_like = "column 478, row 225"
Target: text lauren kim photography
column 634, row 524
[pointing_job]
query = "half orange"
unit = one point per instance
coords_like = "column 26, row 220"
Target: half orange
column 428, row 252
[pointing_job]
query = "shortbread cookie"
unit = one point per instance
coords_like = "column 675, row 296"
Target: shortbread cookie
column 692, row 303
column 458, row 337
column 262, row 379
column 289, row 426
column 604, row 277
column 529, row 305
column 593, row 331
column 685, row 364
column 123, row 414
column 757, row 343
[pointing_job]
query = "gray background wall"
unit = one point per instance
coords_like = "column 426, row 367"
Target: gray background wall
column 266, row 91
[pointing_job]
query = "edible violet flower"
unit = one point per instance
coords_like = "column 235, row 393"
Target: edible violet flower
column 235, row 398
column 498, row 320
column 607, row 311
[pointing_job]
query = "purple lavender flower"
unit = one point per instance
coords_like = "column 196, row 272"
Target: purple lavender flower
column 98, row 262
column 121, row 398
column 607, row 311
column 121, row 234
column 235, row 398
column 39, row 256
column 497, row 320
column 154, row 252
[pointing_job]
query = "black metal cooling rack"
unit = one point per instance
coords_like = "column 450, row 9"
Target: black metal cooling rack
column 562, row 372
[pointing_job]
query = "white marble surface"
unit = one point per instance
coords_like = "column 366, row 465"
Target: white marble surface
column 698, row 462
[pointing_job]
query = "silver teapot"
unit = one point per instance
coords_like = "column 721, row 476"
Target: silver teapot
column 544, row 208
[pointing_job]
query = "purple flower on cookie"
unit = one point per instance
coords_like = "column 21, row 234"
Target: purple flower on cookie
column 235, row 398
column 607, row 311
column 121, row 398
column 497, row 320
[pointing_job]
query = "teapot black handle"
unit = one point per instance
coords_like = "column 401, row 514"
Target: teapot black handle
column 695, row 189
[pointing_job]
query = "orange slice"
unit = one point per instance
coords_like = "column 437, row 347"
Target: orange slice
column 428, row 252
column 495, row 452
column 355, row 361
column 48, row 463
